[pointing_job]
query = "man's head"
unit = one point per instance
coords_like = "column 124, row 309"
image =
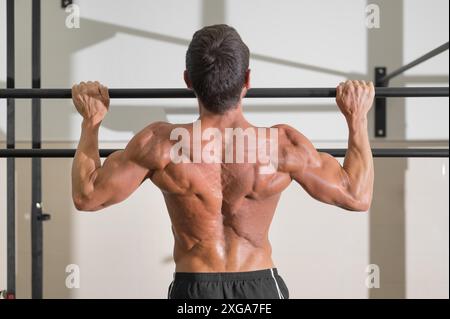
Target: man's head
column 217, row 67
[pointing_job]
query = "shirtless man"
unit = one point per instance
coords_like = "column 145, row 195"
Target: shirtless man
column 221, row 211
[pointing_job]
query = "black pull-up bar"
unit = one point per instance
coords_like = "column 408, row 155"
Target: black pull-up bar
column 338, row 152
column 252, row 93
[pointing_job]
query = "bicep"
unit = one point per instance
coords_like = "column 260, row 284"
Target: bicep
column 116, row 179
column 325, row 180
column 320, row 174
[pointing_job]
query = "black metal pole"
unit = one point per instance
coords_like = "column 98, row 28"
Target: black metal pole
column 380, row 105
column 36, row 182
column 417, row 61
column 252, row 93
column 10, row 163
column 339, row 152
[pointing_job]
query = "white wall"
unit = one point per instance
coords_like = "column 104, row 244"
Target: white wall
column 426, row 27
column 321, row 251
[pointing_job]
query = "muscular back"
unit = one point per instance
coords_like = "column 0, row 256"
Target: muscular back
column 220, row 212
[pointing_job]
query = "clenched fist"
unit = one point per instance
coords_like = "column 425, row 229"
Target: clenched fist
column 91, row 100
column 355, row 98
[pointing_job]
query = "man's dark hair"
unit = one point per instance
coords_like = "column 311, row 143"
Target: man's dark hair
column 217, row 61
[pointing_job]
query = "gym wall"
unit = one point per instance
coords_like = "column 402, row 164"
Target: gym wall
column 322, row 251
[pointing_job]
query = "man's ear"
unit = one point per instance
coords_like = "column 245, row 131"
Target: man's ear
column 246, row 84
column 247, row 79
column 187, row 80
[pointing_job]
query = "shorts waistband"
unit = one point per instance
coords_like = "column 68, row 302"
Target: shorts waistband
column 225, row 276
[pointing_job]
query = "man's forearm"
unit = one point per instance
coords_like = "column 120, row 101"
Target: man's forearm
column 358, row 162
column 86, row 160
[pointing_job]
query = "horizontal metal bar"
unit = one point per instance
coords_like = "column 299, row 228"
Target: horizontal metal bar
column 417, row 61
column 337, row 152
column 252, row 93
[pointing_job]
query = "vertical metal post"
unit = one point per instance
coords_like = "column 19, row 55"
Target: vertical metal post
column 36, row 194
column 380, row 104
column 387, row 233
column 10, row 162
column 66, row 3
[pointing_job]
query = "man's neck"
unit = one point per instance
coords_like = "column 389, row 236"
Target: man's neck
column 231, row 118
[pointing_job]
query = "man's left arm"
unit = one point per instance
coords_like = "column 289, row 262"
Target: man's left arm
column 96, row 186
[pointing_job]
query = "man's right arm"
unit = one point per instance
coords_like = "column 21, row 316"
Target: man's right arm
column 350, row 185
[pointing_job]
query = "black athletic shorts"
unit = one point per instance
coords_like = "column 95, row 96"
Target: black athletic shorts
column 260, row 284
